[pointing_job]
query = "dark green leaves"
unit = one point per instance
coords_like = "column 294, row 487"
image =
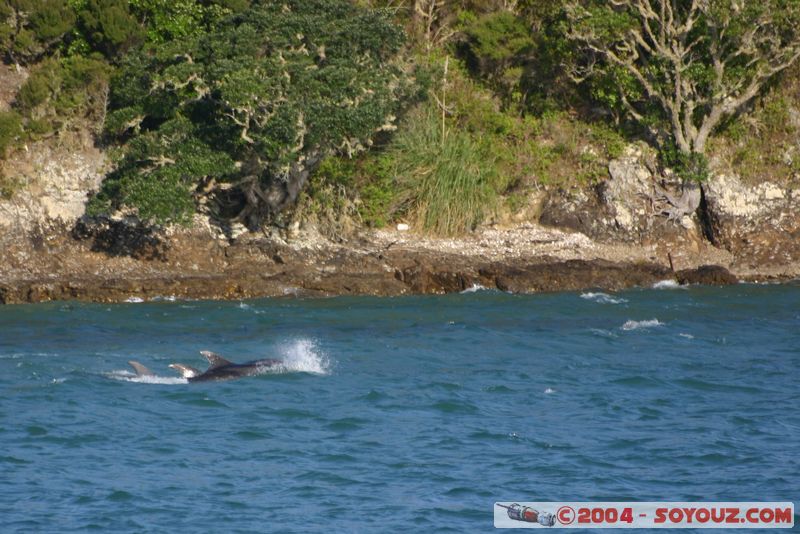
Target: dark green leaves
column 255, row 101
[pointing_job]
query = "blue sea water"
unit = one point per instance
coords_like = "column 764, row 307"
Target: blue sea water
column 414, row 413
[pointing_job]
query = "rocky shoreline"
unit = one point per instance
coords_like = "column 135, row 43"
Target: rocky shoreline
column 636, row 228
column 194, row 264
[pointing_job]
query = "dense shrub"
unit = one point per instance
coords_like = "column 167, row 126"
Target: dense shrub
column 10, row 129
column 109, row 26
column 497, row 47
column 61, row 91
column 30, row 29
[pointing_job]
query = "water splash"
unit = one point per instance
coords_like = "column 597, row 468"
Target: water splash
column 127, row 376
column 134, row 300
column 474, row 288
column 667, row 284
column 304, row 356
column 636, row 325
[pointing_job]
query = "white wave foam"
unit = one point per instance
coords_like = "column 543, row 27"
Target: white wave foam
column 303, row 355
column 549, row 391
column 134, row 300
column 128, row 376
column 687, row 336
column 475, row 288
column 603, row 298
column 636, row 325
column 667, row 284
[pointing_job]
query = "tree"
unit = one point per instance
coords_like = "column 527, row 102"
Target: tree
column 682, row 67
column 241, row 115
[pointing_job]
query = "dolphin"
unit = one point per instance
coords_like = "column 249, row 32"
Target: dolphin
column 140, row 369
column 222, row 369
column 185, row 370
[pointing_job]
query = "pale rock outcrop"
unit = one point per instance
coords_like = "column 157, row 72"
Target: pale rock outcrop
column 55, row 186
column 632, row 206
column 759, row 224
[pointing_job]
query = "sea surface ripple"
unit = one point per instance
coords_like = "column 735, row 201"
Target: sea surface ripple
column 413, row 413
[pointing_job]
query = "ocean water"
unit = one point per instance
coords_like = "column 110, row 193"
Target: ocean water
column 414, row 413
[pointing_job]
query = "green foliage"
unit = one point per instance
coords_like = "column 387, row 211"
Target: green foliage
column 497, row 46
column 29, row 29
column 268, row 92
column 10, row 129
column 167, row 20
column 378, row 195
column 689, row 166
column 60, row 91
column 553, row 148
column 369, row 178
column 611, row 142
column 764, row 146
column 109, row 26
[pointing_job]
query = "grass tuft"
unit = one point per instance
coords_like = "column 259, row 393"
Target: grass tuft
column 445, row 177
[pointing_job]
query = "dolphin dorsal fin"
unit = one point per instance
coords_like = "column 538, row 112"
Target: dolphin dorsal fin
column 214, row 359
column 140, row 369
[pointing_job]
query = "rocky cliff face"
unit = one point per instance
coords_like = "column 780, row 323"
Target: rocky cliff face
column 758, row 227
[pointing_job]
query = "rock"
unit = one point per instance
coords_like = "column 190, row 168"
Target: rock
column 127, row 236
column 630, row 184
column 56, row 180
column 579, row 210
column 712, row 275
column 629, row 207
column 426, row 278
column 571, row 275
column 759, row 224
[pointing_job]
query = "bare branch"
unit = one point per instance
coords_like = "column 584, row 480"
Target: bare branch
column 672, row 41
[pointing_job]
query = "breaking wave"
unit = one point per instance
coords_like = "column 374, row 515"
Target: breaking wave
column 636, row 325
column 474, row 288
column 603, row 298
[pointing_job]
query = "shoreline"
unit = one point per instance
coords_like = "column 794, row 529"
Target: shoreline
column 194, row 264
